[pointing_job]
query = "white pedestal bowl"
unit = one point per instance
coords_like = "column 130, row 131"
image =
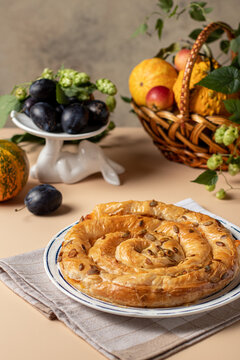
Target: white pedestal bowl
column 54, row 165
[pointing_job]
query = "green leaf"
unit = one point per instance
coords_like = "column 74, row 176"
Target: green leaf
column 225, row 46
column 159, row 27
column 237, row 32
column 208, row 177
column 225, row 80
column 208, row 10
column 235, row 62
column 233, row 107
column 196, row 10
column 60, row 95
column 194, row 34
column 234, row 160
column 165, row 5
column 26, row 137
column 165, row 52
column 235, row 44
column 79, row 91
column 173, row 12
column 235, row 47
column 70, row 91
column 7, row 104
column 215, row 35
column 126, row 99
column 142, row 29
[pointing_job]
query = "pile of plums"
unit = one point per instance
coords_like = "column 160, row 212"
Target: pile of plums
column 73, row 118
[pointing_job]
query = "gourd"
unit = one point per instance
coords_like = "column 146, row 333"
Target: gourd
column 14, row 169
column 148, row 74
column 202, row 101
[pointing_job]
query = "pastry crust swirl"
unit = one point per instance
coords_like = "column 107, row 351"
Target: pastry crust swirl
column 148, row 254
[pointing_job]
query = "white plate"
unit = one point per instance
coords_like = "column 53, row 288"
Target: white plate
column 226, row 295
column 25, row 123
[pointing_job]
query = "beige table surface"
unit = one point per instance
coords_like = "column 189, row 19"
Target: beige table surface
column 24, row 332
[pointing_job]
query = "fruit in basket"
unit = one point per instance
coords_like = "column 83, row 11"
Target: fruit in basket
column 74, row 118
column 44, row 116
column 159, row 98
column 14, row 169
column 43, row 89
column 43, row 199
column 148, row 74
column 180, row 59
column 98, row 112
column 202, row 101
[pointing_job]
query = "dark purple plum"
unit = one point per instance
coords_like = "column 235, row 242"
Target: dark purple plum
column 74, row 118
column 28, row 103
column 43, row 90
column 43, row 199
column 44, row 116
column 98, row 112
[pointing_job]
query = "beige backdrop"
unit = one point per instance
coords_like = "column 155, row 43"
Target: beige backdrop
column 89, row 35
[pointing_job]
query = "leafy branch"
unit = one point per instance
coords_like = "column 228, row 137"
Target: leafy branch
column 227, row 136
column 167, row 9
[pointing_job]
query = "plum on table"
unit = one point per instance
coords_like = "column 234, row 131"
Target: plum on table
column 43, row 199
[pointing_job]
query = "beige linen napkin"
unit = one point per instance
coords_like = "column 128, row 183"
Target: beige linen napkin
column 116, row 337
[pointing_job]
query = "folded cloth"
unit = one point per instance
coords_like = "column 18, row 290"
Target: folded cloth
column 116, row 337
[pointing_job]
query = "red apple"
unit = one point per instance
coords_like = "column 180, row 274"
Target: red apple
column 159, row 98
column 181, row 59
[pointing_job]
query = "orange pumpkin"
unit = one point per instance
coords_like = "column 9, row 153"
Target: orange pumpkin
column 148, row 74
column 14, row 169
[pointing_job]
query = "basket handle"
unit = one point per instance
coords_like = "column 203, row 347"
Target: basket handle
column 202, row 37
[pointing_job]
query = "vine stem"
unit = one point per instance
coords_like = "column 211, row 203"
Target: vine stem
column 227, row 182
column 23, row 207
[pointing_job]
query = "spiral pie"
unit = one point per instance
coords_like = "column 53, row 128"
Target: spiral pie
column 148, row 254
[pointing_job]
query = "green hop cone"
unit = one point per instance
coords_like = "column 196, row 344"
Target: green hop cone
column 214, row 161
column 106, row 86
column 20, row 93
column 233, row 169
column 230, row 135
column 210, row 187
column 47, row 74
column 81, row 78
column 65, row 82
column 219, row 134
column 111, row 103
column 221, row 194
column 68, row 73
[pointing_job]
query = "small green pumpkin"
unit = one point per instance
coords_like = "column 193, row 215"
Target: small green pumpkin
column 14, row 169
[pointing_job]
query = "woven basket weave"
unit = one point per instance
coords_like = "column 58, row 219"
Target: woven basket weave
column 183, row 137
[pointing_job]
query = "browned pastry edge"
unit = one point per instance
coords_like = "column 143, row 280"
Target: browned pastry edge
column 182, row 283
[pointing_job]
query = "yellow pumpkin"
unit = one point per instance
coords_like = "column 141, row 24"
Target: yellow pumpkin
column 14, row 169
column 148, row 74
column 202, row 101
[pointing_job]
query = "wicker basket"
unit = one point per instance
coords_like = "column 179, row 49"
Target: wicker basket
column 183, row 137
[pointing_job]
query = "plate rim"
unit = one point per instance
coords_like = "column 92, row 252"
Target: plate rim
column 115, row 309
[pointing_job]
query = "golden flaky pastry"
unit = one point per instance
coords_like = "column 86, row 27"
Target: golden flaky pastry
column 148, row 254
